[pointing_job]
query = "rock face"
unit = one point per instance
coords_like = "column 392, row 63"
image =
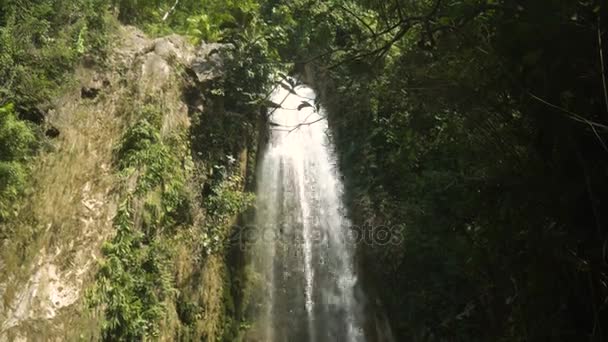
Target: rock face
column 209, row 63
column 71, row 210
column 156, row 66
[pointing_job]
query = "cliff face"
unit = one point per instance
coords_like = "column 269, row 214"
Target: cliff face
column 52, row 267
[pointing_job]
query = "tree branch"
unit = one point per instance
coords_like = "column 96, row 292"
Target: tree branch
column 307, row 123
column 369, row 28
column 426, row 21
column 170, row 10
column 577, row 117
column 599, row 43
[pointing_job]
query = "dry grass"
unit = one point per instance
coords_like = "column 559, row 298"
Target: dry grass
column 69, row 211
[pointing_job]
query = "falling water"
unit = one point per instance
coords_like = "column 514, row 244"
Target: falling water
column 303, row 251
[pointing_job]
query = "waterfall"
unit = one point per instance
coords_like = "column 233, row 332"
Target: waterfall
column 303, row 250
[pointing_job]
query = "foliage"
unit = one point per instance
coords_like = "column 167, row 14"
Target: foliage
column 143, row 148
column 159, row 199
column 40, row 42
column 17, row 142
column 226, row 201
column 16, row 136
column 136, row 277
column 207, row 20
column 249, row 67
column 477, row 129
column 133, row 282
column 13, row 177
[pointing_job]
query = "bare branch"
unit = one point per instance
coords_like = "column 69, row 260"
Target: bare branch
column 369, row 28
column 170, row 10
column 429, row 26
column 599, row 42
column 577, row 117
column 573, row 115
column 307, row 123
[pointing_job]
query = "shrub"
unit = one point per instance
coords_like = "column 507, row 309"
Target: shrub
column 17, row 141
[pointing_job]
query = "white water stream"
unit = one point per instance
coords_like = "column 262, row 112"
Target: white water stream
column 302, row 250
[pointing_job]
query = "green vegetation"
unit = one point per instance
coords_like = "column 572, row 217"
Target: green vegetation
column 160, row 219
column 135, row 279
column 17, row 139
column 477, row 130
column 40, row 42
column 226, row 202
column 207, row 20
column 133, row 282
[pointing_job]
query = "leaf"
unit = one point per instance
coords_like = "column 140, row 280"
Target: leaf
column 444, row 21
column 288, row 87
column 304, row 104
column 271, row 104
column 293, row 83
column 283, row 76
